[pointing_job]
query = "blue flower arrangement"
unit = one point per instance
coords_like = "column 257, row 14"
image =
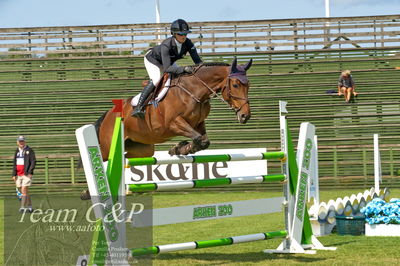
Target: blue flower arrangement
column 378, row 211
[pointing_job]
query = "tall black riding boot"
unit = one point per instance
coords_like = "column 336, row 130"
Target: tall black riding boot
column 139, row 110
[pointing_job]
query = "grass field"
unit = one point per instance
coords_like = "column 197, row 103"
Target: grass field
column 351, row 250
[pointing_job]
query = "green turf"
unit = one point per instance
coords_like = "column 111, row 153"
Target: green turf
column 351, row 249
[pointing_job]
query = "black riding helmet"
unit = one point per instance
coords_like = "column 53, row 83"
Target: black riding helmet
column 179, row 26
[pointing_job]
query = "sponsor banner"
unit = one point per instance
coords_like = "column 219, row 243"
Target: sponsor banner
column 101, row 196
column 304, row 159
column 196, row 171
column 194, row 213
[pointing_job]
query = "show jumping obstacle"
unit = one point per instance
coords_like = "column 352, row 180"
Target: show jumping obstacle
column 323, row 214
column 107, row 186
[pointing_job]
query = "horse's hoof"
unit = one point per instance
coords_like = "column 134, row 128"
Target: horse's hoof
column 173, row 151
column 85, row 195
column 182, row 143
column 204, row 145
column 187, row 149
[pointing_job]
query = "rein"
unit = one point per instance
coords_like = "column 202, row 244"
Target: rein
column 188, row 92
column 215, row 94
column 230, row 95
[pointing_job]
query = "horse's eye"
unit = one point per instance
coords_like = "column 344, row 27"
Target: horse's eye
column 235, row 86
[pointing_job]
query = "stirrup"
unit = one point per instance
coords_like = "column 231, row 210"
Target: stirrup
column 138, row 113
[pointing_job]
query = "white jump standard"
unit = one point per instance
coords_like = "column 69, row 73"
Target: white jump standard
column 298, row 234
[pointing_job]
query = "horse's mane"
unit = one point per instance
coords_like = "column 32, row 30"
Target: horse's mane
column 196, row 67
column 207, row 64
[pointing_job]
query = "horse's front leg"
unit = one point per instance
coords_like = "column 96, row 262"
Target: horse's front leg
column 204, row 142
column 182, row 128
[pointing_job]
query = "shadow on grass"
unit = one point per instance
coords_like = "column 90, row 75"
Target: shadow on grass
column 223, row 258
column 341, row 240
column 342, row 243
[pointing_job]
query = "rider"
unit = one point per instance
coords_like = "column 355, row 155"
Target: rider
column 161, row 58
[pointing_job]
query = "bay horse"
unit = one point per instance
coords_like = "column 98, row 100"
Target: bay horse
column 182, row 112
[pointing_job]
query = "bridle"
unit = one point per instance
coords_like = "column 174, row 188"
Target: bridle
column 214, row 94
column 231, row 96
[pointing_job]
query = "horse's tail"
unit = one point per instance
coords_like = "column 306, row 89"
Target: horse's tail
column 97, row 124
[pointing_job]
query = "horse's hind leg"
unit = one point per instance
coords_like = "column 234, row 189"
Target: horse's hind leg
column 136, row 149
column 133, row 149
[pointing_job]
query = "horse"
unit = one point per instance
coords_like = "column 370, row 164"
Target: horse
column 182, row 112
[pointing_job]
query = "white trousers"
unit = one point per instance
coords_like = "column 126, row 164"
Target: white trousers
column 154, row 71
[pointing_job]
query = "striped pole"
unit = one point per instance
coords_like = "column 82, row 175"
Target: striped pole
column 167, row 186
column 206, row 243
column 205, row 158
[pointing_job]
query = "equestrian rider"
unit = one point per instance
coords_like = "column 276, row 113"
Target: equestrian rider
column 161, row 58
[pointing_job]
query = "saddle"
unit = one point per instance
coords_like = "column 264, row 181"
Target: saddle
column 159, row 92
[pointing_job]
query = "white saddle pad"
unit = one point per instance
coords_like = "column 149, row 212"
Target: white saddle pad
column 159, row 97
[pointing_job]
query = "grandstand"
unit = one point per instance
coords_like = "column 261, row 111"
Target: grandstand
column 47, row 93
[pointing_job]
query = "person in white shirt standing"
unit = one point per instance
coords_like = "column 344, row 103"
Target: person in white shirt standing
column 23, row 166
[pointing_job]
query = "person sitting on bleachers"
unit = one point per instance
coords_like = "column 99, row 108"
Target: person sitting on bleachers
column 346, row 86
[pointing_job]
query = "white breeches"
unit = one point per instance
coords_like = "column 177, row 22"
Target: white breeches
column 153, row 71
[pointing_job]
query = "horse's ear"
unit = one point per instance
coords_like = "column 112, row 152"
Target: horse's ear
column 234, row 66
column 248, row 65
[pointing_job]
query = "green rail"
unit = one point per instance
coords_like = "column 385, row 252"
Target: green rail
column 205, row 183
column 205, row 158
column 206, row 243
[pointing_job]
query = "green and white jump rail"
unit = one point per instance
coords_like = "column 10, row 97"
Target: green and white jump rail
column 205, row 158
column 298, row 236
column 206, row 243
column 176, row 185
